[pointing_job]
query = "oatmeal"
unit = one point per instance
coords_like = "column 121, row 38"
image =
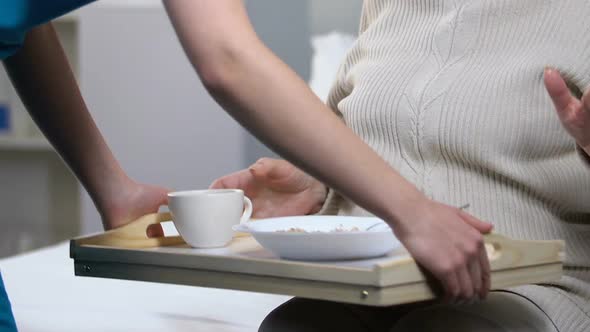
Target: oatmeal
column 339, row 229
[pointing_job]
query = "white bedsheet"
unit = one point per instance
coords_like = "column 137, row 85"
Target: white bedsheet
column 47, row 297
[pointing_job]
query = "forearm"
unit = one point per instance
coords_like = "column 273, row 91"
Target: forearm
column 268, row 98
column 278, row 107
column 44, row 81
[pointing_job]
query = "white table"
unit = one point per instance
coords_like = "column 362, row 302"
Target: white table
column 46, row 296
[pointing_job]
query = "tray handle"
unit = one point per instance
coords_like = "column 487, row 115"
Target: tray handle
column 504, row 253
column 134, row 234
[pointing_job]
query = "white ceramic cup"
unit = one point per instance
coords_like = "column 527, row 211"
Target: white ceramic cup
column 204, row 218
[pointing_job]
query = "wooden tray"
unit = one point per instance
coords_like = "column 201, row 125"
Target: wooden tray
column 127, row 253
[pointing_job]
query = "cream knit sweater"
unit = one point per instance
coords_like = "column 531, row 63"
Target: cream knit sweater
column 450, row 93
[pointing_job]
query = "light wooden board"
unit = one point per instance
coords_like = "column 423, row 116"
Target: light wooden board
column 244, row 265
column 322, row 290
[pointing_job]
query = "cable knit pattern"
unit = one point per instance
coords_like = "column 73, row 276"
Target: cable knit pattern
column 450, row 94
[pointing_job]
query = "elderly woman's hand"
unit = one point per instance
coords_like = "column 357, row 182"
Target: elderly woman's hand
column 276, row 188
column 573, row 113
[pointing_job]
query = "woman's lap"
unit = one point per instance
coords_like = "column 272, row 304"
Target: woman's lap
column 502, row 311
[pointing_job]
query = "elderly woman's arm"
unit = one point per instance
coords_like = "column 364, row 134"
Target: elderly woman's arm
column 268, row 98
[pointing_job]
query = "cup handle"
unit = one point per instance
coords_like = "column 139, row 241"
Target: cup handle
column 247, row 210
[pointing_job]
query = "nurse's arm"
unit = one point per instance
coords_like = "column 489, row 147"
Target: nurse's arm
column 41, row 74
column 270, row 100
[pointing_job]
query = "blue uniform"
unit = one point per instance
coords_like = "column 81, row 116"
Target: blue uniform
column 18, row 16
column 7, row 323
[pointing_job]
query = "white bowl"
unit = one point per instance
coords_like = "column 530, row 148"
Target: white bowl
column 318, row 240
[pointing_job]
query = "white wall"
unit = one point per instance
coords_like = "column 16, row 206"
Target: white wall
column 329, row 15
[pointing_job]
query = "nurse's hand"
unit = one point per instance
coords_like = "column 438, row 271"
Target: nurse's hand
column 130, row 200
column 448, row 243
column 276, row 188
column 573, row 113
